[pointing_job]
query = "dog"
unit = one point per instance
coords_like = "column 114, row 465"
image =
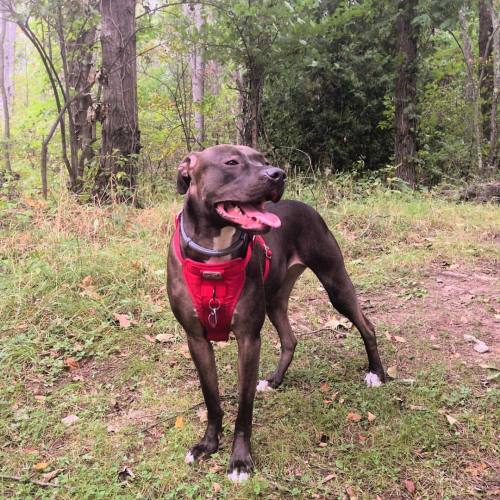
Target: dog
column 232, row 198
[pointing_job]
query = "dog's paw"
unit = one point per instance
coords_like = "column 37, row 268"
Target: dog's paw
column 264, row 386
column 200, row 451
column 373, row 380
column 239, row 470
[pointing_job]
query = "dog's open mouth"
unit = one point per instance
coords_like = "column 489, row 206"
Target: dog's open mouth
column 250, row 216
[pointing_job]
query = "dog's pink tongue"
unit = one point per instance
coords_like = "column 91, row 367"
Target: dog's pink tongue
column 267, row 218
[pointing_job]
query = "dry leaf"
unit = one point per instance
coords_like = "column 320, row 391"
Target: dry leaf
column 51, row 475
column 388, row 336
column 327, row 478
column 350, row 493
column 179, row 422
column 184, row 350
column 397, row 338
column 392, row 371
column 164, row 337
column 40, row 466
column 324, row 387
column 71, row 364
column 481, row 347
column 70, row 420
column 216, row 487
column 149, row 338
column 353, row 417
column 371, row 417
column 122, row 319
column 202, row 414
column 476, row 469
column 451, row 420
column 410, row 486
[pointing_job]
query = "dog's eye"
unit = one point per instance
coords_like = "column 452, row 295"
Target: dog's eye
column 231, row 162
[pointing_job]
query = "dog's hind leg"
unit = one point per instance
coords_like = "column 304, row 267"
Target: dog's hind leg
column 277, row 310
column 328, row 265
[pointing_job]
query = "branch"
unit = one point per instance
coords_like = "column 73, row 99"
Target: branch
column 43, row 484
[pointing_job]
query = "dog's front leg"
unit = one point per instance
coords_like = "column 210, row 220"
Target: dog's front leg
column 203, row 356
column 241, row 462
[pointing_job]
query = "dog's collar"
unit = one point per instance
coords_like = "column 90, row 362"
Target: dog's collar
column 242, row 238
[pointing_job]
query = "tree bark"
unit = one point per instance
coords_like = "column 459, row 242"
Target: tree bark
column 117, row 175
column 4, row 68
column 197, row 66
column 405, row 143
column 473, row 85
column 493, row 153
column 485, row 69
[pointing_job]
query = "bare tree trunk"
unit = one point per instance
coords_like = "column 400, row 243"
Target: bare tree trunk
column 197, row 64
column 80, row 74
column 473, row 85
column 117, row 176
column 5, row 97
column 485, row 69
column 493, row 154
column 405, row 142
column 251, row 89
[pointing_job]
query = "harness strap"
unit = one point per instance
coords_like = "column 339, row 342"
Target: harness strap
column 215, row 288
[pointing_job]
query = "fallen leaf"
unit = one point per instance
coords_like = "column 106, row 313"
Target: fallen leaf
column 324, row 387
column 164, row 337
column 122, row 319
column 179, row 422
column 392, row 371
column 40, row 466
column 51, row 475
column 410, row 486
column 125, row 473
column 362, row 438
column 86, row 282
column 469, row 338
column 70, row 420
column 149, row 338
column 353, row 417
column 350, row 493
column 451, row 420
column 322, row 445
column 476, row 468
column 388, row 336
column 397, row 338
column 202, row 414
column 71, row 364
column 184, row 350
column 216, row 487
column 327, row 478
column 371, row 417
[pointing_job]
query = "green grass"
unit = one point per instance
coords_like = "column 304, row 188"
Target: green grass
column 128, row 391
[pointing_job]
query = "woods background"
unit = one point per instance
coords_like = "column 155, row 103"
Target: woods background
column 115, row 92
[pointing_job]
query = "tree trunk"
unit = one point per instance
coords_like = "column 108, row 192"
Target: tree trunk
column 117, row 175
column 473, row 85
column 493, row 153
column 197, row 64
column 405, row 143
column 5, row 67
column 485, row 69
column 80, row 74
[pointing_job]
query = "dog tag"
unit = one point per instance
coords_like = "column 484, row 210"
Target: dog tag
column 214, row 306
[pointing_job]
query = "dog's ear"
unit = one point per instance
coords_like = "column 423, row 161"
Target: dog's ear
column 184, row 173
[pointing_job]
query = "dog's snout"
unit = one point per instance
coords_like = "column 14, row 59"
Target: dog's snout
column 275, row 174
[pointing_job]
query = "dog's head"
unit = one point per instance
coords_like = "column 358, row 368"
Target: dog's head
column 233, row 183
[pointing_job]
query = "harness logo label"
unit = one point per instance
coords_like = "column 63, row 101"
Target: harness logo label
column 211, row 275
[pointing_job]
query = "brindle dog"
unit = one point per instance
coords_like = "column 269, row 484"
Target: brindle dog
column 229, row 189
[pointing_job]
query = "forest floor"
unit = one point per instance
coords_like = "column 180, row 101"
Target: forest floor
column 93, row 404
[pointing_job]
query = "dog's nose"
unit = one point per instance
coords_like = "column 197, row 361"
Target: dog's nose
column 275, row 174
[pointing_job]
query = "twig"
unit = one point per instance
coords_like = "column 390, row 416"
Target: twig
column 28, row 480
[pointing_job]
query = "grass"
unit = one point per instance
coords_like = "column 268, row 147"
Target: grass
column 67, row 270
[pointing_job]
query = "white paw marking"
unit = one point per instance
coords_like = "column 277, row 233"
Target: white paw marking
column 237, row 477
column 372, row 380
column 263, row 386
column 189, row 458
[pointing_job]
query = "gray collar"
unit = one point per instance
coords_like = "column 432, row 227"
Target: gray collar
column 242, row 238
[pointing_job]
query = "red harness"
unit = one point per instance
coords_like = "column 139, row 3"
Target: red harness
column 215, row 288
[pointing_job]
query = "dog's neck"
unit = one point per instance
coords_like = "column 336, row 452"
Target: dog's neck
column 204, row 229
